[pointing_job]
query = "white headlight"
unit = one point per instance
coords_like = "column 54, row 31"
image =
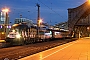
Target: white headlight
column 18, row 36
column 7, row 35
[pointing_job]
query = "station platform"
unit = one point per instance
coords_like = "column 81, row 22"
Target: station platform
column 76, row 50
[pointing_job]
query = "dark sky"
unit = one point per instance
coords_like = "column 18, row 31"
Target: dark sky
column 51, row 11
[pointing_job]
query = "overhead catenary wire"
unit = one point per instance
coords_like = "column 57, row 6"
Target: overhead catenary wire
column 51, row 9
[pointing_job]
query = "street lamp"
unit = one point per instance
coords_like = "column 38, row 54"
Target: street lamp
column 6, row 10
column 40, row 21
column 6, row 21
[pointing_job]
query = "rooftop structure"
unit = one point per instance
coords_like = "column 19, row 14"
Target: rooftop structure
column 24, row 20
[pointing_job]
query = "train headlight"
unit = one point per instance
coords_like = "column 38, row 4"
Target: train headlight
column 18, row 36
column 7, row 35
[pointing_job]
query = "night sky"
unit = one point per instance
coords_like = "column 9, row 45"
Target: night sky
column 51, row 11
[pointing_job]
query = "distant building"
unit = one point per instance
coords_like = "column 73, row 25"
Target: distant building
column 63, row 25
column 24, row 20
column 4, row 21
column 2, row 17
column 4, row 24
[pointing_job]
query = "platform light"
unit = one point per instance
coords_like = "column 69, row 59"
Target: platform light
column 40, row 21
column 89, row 1
column 5, row 10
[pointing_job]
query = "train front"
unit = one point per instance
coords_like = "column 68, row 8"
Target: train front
column 14, row 38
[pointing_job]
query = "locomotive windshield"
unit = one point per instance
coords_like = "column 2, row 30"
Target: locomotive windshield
column 20, row 26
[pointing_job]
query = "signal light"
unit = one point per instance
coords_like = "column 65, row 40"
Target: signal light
column 9, row 26
column 1, row 26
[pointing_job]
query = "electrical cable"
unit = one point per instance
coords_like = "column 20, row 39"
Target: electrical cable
column 51, row 9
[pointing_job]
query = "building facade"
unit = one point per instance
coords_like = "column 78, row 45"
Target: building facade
column 62, row 26
column 4, row 25
column 24, row 20
column 2, row 17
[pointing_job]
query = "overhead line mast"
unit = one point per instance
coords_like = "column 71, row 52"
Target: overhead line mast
column 38, row 18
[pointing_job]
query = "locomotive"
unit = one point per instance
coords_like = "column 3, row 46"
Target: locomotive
column 23, row 34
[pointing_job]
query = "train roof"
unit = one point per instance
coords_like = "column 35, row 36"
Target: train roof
column 20, row 25
column 57, row 30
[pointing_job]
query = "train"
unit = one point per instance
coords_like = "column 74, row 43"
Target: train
column 2, row 36
column 21, row 34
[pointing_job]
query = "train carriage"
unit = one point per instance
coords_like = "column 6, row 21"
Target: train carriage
column 22, row 34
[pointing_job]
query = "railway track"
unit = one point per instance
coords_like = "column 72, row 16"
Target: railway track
column 17, row 52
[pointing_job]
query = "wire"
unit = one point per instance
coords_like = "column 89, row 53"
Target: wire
column 51, row 9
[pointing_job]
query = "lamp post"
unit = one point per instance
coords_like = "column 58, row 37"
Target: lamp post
column 6, row 21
